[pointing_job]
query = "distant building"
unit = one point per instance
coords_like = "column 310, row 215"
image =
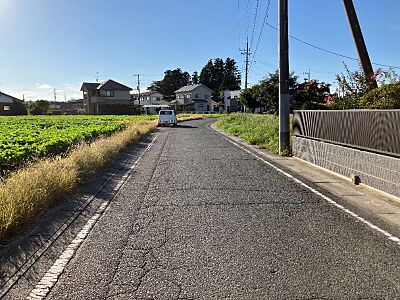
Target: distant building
column 71, row 107
column 108, row 97
column 193, row 98
column 232, row 101
column 11, row 106
column 149, row 98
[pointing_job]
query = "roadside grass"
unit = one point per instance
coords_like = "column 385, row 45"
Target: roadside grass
column 28, row 191
column 261, row 130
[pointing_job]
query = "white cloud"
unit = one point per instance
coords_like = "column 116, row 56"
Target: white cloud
column 43, row 86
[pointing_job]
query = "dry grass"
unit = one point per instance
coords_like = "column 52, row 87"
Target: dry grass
column 30, row 190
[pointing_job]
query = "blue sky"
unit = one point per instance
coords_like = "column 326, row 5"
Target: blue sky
column 49, row 44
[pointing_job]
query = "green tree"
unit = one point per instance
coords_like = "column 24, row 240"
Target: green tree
column 39, row 107
column 310, row 95
column 267, row 90
column 249, row 98
column 207, row 73
column 383, row 97
column 172, row 81
column 232, row 79
column 220, row 76
column 195, row 77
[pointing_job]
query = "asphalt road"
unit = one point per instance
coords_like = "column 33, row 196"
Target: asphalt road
column 200, row 218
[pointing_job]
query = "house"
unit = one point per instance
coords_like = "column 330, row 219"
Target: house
column 108, row 97
column 11, row 106
column 193, row 98
column 150, row 98
column 232, row 101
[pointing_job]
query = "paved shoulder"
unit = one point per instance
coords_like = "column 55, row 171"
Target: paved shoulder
column 201, row 219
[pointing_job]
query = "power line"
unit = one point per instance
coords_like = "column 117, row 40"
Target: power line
column 261, row 30
column 238, row 21
column 331, row 52
column 248, row 18
column 254, row 24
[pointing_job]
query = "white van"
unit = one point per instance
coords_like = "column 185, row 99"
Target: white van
column 167, row 116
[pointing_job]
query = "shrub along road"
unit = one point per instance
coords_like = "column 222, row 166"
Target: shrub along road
column 200, row 218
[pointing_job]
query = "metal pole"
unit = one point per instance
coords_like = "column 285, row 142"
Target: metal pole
column 247, row 53
column 284, row 96
column 360, row 43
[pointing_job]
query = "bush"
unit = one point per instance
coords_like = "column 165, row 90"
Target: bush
column 385, row 97
column 315, row 106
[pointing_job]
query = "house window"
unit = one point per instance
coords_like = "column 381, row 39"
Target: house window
column 105, row 93
column 188, row 96
column 6, row 107
column 206, row 96
column 158, row 98
column 196, row 95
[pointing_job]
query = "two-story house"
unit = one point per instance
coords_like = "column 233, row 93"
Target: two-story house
column 193, row 98
column 108, row 97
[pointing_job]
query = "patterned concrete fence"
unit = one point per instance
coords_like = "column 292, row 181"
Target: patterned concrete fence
column 352, row 142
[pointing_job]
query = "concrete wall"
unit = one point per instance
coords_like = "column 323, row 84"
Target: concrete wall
column 377, row 165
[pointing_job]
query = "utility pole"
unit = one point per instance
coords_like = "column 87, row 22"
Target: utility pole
column 138, row 85
column 246, row 52
column 360, row 43
column 55, row 95
column 284, row 95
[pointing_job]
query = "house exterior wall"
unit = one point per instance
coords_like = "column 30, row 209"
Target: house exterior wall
column 8, row 106
column 93, row 103
column 200, row 97
column 231, row 101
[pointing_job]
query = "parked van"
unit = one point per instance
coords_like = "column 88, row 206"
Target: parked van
column 167, row 116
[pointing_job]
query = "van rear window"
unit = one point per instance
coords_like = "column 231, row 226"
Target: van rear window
column 165, row 112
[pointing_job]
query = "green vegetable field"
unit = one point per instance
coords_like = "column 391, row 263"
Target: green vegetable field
column 25, row 137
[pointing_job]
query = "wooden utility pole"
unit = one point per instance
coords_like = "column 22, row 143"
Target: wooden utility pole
column 284, row 96
column 360, row 43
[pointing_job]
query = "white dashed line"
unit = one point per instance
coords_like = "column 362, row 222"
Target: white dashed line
column 331, row 201
column 48, row 281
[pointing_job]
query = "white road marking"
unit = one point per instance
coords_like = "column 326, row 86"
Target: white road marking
column 49, row 279
column 331, row 201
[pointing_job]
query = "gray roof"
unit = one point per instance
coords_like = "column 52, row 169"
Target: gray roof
column 190, row 88
column 113, row 85
column 89, row 85
column 5, row 101
column 105, row 85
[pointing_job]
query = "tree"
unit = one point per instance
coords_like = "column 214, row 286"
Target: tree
column 206, row 74
column 39, row 107
column 172, row 81
column 220, row 76
column 195, row 77
column 267, row 90
column 383, row 97
column 248, row 98
column 232, row 79
column 310, row 95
